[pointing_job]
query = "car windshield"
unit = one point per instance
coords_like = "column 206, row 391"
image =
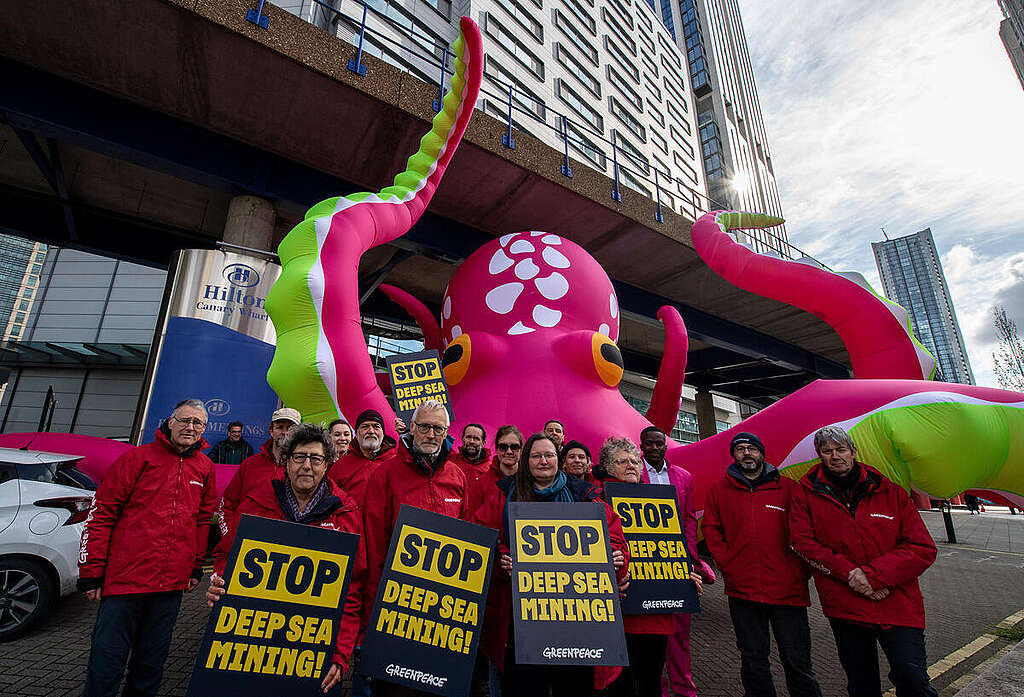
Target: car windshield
column 38, row 472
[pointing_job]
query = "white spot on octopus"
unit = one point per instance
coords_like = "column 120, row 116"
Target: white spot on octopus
column 502, row 298
column 604, row 329
column 552, row 287
column 613, row 305
column 551, row 239
column 555, row 258
column 504, row 239
column 537, row 233
column 446, row 309
column 545, row 316
column 526, row 269
column 520, row 328
column 521, row 246
column 499, row 262
column 456, row 332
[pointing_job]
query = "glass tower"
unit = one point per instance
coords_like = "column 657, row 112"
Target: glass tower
column 912, row 276
column 21, row 263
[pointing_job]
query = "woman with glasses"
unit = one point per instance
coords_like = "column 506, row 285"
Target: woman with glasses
column 302, row 494
column 646, row 635
column 537, row 478
column 508, row 443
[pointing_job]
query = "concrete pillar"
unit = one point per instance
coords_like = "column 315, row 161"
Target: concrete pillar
column 705, row 414
column 250, row 223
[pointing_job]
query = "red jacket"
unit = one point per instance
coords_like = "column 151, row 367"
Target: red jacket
column 353, row 471
column 403, row 479
column 498, row 614
column 475, row 468
column 336, row 512
column 147, row 528
column 747, row 532
column 883, row 535
column 480, row 486
column 254, row 470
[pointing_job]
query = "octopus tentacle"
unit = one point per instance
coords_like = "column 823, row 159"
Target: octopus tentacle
column 876, row 332
column 315, row 303
column 668, row 390
column 419, row 312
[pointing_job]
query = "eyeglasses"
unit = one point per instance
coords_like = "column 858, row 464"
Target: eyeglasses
column 424, row 429
column 509, row 447
column 313, row 459
column 622, row 461
column 543, row 456
column 747, row 448
column 195, row 423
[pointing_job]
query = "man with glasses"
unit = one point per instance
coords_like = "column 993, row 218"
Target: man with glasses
column 143, row 544
column 257, row 468
column 421, row 473
column 746, row 528
column 370, row 447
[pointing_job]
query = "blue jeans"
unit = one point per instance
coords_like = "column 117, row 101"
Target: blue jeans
column 133, row 630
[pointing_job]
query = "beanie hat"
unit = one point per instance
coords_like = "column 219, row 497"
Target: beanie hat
column 748, row 438
column 370, row 415
column 569, row 446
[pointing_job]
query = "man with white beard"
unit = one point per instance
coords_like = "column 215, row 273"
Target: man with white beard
column 370, row 446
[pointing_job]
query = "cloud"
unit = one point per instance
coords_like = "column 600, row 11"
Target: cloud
column 902, row 115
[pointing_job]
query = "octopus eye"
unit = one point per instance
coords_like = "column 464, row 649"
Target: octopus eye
column 607, row 359
column 455, row 361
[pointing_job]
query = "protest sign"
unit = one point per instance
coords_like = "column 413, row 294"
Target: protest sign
column 565, row 599
column 273, row 631
column 416, row 378
column 424, row 629
column 659, row 562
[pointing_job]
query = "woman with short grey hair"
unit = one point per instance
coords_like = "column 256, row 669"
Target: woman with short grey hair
column 613, row 448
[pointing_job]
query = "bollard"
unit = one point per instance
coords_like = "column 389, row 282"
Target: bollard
column 947, row 518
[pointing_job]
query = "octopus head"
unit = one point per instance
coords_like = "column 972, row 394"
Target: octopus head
column 530, row 289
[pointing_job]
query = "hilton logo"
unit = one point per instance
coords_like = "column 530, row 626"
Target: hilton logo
column 217, row 407
column 241, row 275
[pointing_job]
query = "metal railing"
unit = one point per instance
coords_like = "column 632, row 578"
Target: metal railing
column 622, row 161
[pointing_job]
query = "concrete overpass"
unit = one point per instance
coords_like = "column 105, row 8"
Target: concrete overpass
column 129, row 127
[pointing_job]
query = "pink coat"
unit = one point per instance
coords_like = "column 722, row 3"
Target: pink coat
column 683, row 482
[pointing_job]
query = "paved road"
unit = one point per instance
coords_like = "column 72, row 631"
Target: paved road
column 971, row 587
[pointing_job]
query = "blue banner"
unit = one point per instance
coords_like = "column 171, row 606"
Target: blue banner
column 225, row 369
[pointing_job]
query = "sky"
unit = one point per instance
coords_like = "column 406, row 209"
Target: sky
column 902, row 115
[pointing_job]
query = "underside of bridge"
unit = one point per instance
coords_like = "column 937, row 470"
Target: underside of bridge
column 128, row 128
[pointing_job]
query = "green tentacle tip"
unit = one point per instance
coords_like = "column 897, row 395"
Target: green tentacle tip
column 736, row 220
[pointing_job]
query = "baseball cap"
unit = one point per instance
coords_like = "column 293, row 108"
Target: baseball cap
column 287, row 414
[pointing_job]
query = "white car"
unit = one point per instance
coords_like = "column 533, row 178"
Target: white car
column 43, row 507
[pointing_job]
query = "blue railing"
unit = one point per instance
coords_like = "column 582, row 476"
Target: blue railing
column 636, row 168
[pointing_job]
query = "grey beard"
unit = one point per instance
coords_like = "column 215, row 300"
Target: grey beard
column 429, row 457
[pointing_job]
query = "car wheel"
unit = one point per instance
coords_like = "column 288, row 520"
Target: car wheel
column 27, row 595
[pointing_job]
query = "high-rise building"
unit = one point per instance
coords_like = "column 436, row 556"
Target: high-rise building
column 21, row 262
column 611, row 68
column 912, row 276
column 734, row 147
column 1011, row 31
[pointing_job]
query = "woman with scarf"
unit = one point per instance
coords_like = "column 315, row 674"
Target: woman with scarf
column 537, row 479
column 646, row 635
column 302, row 494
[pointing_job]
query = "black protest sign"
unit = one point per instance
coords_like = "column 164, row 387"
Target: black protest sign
column 659, row 562
column 425, row 626
column 565, row 599
column 273, row 632
column 416, row 378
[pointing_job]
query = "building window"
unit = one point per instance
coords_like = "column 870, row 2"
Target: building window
column 655, row 114
column 584, row 17
column 666, row 17
column 652, row 88
column 633, row 183
column 522, row 96
column 647, row 42
column 680, row 141
column 627, row 118
column 628, row 92
column 688, row 170
column 674, row 112
column 23, row 305
column 524, row 19
column 623, row 15
column 625, row 63
column 586, row 147
column 670, row 51
column 620, row 33
column 659, row 143
column 510, row 43
column 632, row 153
column 574, row 35
column 649, row 64
column 644, row 19
column 576, row 69
column 579, row 105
